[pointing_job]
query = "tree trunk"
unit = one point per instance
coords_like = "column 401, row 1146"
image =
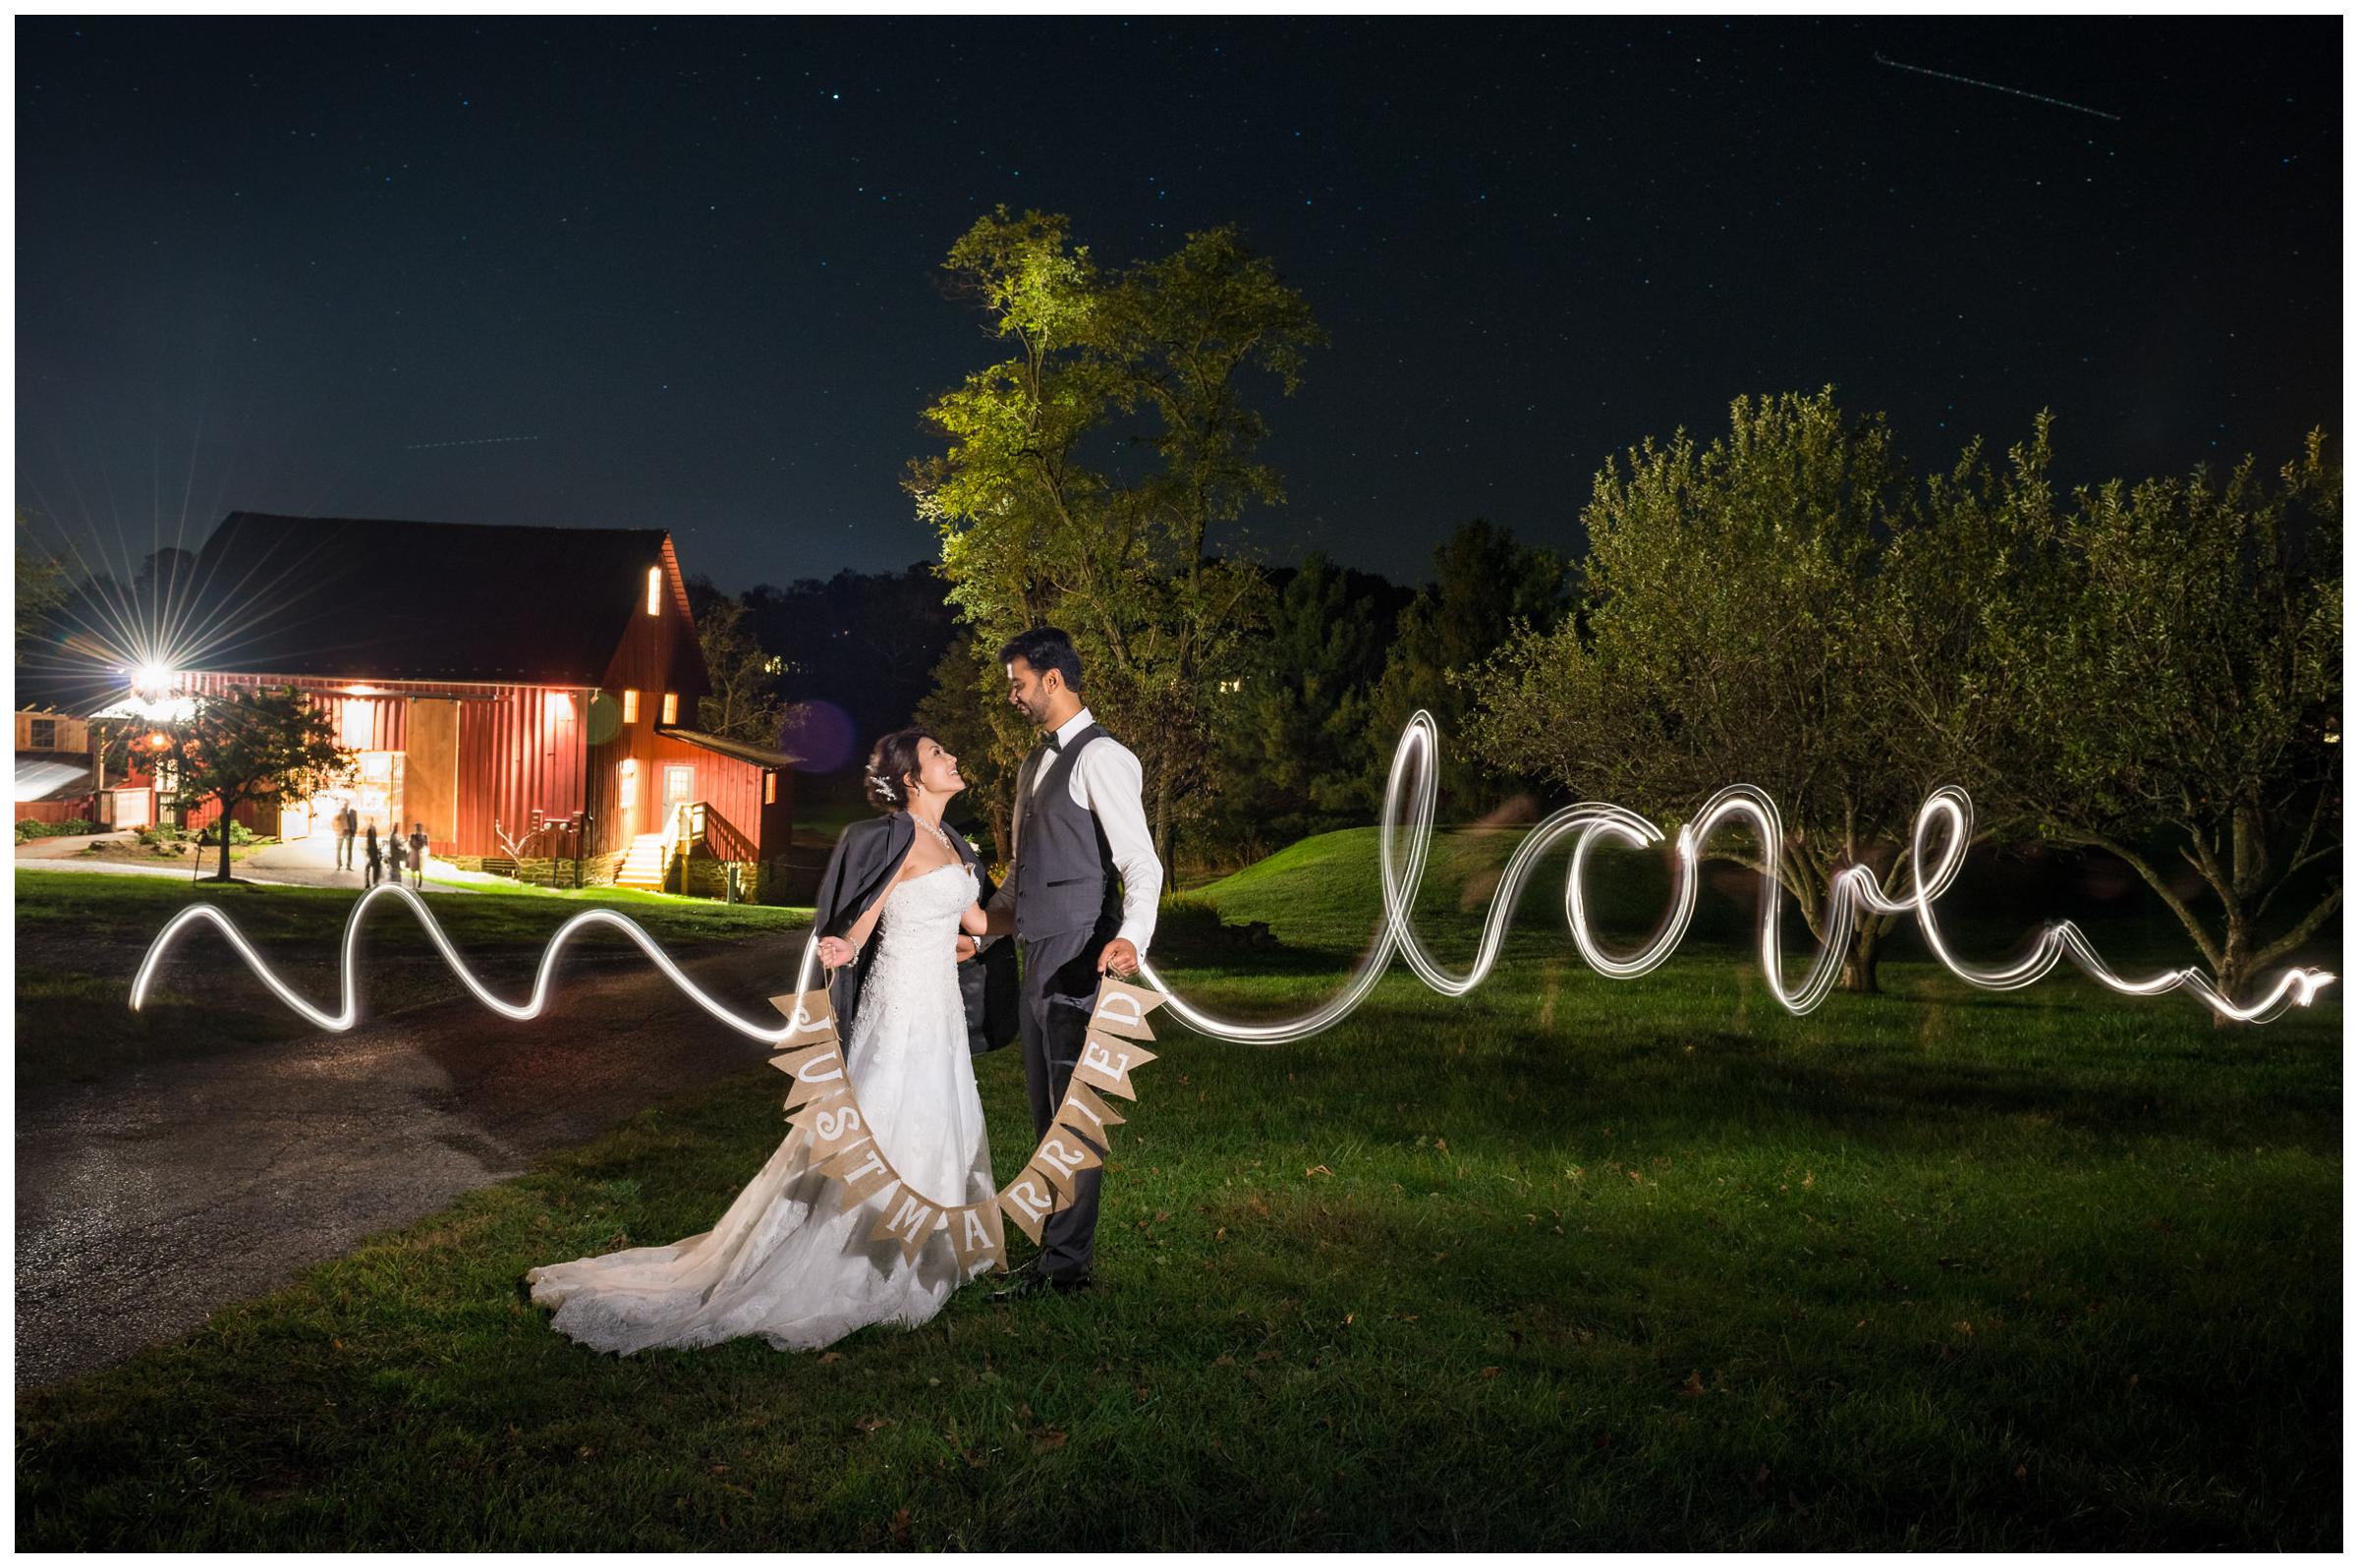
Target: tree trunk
column 2235, row 964
column 1858, row 965
column 1162, row 821
column 223, row 826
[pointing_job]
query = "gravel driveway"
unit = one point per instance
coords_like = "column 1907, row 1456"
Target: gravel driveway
column 149, row 1199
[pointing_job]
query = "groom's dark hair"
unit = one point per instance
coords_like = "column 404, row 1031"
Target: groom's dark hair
column 1046, row 648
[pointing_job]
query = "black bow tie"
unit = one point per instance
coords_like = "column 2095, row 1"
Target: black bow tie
column 1055, row 745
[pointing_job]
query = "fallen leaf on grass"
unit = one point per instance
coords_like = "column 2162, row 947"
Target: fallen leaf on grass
column 875, row 1424
column 1490, row 1372
column 832, row 1355
column 900, row 1527
column 1317, row 1170
column 1048, row 1438
column 1693, row 1387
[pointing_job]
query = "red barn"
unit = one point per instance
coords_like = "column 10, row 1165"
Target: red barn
column 529, row 694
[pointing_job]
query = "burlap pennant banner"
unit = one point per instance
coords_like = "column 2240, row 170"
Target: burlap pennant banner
column 908, row 1220
column 1029, row 1200
column 1122, row 1009
column 978, row 1237
column 1107, row 1062
column 1063, row 1155
column 863, row 1169
column 826, row 1114
column 815, row 1070
column 809, row 1015
column 1089, row 1116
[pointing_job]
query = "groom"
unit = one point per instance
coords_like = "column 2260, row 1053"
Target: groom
column 1078, row 830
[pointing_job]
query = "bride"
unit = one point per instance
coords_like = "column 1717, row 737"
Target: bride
column 790, row 1261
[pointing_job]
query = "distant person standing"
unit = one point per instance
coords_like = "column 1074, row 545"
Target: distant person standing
column 418, row 853
column 393, row 854
column 375, row 857
column 347, row 826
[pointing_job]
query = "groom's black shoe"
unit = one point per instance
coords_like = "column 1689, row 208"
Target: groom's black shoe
column 1034, row 1283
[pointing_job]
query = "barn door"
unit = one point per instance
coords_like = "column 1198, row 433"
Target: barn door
column 432, row 776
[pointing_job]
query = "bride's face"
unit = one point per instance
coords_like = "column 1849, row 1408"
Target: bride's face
column 937, row 770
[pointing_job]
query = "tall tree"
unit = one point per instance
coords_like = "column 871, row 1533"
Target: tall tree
column 2184, row 689
column 40, row 590
column 1282, row 742
column 1047, row 516
column 1728, row 631
column 743, row 704
column 1486, row 586
column 249, row 745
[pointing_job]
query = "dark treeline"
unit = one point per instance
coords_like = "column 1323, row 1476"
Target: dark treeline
column 1304, row 711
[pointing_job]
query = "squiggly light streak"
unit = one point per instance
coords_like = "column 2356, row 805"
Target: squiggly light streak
column 1413, row 780
column 350, row 1012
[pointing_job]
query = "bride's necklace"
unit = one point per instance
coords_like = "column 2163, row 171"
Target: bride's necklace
column 940, row 836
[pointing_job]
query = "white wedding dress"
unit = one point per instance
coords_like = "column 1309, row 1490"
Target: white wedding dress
column 789, row 1260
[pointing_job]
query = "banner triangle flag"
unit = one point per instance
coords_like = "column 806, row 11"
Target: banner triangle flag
column 1122, row 1009
column 1106, row 1064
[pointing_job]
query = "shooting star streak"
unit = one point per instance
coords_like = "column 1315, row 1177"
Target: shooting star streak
column 1972, row 81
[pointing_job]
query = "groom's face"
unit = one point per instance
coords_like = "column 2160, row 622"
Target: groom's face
column 1032, row 695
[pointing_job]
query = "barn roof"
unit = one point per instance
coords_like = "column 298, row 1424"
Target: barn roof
column 416, row 601
column 759, row 755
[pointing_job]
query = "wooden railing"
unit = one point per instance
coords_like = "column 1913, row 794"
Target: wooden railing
column 700, row 823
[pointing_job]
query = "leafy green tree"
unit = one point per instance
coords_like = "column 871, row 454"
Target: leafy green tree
column 2183, row 689
column 41, row 590
column 743, row 704
column 1047, row 514
column 249, row 745
column 1730, row 630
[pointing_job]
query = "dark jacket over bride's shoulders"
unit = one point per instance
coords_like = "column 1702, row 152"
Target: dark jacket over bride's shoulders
column 860, row 871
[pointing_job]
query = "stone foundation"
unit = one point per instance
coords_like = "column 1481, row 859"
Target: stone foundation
column 758, row 882
column 596, row 872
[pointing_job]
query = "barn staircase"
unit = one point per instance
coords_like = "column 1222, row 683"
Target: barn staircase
column 643, row 866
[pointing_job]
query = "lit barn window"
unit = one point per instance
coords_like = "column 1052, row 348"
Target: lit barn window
column 769, row 786
column 671, row 707
column 654, row 591
column 630, row 705
column 630, row 783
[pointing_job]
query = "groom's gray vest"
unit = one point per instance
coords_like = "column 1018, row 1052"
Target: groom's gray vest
column 1064, row 871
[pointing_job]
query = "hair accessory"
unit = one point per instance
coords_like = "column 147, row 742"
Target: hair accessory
column 883, row 786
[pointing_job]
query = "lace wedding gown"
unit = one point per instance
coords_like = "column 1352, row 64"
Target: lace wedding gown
column 789, row 1260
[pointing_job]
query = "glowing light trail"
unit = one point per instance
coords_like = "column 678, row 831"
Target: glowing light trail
column 1413, row 783
column 1943, row 831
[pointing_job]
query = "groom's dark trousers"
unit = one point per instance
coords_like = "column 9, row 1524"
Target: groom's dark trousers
column 1060, row 988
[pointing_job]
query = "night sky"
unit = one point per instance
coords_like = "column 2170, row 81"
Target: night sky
column 687, row 275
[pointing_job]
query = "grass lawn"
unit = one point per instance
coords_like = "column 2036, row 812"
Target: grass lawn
column 1569, row 1262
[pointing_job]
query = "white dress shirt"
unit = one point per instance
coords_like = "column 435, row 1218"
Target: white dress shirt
column 1105, row 780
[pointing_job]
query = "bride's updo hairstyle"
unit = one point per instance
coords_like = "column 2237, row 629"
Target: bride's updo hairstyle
column 889, row 765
